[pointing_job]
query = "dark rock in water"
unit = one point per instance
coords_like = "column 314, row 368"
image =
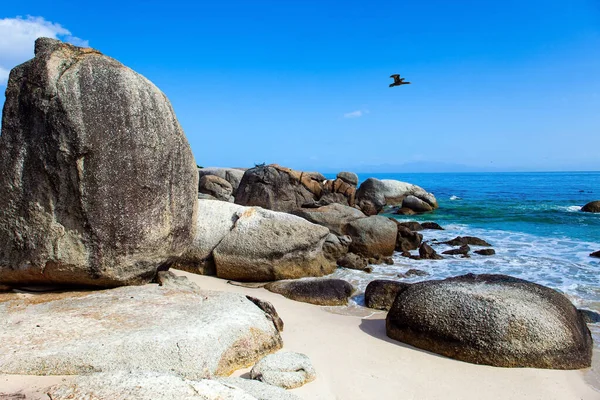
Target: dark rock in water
column 373, row 194
column 416, row 204
column 406, row 254
column 431, row 225
column 593, row 207
column 462, row 240
column 407, row 240
column 496, row 320
column 354, row 261
column 349, row 177
column 405, row 211
column 320, row 291
column 336, row 246
column 333, row 216
column 589, row 316
column 595, row 254
column 412, row 225
column 426, row 252
column 413, row 272
column 269, row 310
column 98, row 184
column 374, row 236
column 216, row 187
column 462, row 250
column 486, row 252
column 380, row 294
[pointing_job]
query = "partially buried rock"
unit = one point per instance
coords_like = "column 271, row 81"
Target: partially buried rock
column 593, row 207
column 217, row 187
column 431, row 225
column 463, row 240
column 285, row 370
column 354, row 261
column 319, row 291
column 496, row 320
column 380, row 294
column 595, row 254
column 98, row 184
column 373, row 236
column 426, row 252
column 143, row 385
column 462, row 250
column 175, row 328
column 486, row 252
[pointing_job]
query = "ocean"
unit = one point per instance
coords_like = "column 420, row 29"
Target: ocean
column 532, row 220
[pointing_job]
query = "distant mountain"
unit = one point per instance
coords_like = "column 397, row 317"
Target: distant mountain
column 415, row 167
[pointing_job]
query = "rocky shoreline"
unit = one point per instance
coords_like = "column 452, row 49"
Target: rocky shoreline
column 101, row 196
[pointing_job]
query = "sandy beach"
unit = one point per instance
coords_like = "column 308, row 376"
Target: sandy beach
column 355, row 360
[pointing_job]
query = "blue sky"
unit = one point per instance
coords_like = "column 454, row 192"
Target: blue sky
column 503, row 85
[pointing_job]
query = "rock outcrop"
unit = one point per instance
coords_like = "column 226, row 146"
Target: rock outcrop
column 595, row 254
column 380, row 294
column 174, row 328
column 336, row 247
column 485, row 252
column 285, row 370
column 319, row 291
column 334, row 216
column 349, row 177
column 373, row 194
column 231, row 175
column 492, row 319
column 466, row 240
column 432, row 225
column 593, row 207
column 373, row 236
column 98, row 182
column 426, row 252
column 216, row 187
column 462, row 250
column 407, row 240
column 354, row 261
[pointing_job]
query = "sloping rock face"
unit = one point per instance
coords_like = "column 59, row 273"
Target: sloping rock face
column 98, row 182
column 333, row 216
column 286, row 370
column 496, row 320
column 265, row 245
column 175, row 328
column 373, row 194
column 216, row 187
column 380, row 294
column 319, row 291
column 374, row 236
column 154, row 386
column 283, row 189
column 231, row 175
column 593, row 207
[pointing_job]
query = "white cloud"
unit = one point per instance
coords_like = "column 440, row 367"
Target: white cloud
column 356, row 114
column 17, row 37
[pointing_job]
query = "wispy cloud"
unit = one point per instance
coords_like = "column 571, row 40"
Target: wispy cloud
column 356, row 114
column 17, row 36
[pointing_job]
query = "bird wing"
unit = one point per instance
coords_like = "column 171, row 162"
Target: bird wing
column 395, row 76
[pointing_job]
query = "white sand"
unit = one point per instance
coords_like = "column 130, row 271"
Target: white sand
column 355, row 360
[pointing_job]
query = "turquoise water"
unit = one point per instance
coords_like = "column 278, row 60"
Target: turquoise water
column 533, row 221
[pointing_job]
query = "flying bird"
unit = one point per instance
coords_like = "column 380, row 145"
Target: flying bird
column 398, row 81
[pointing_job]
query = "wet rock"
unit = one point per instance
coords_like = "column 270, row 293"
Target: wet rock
column 320, row 291
column 426, row 252
column 593, row 207
column 595, row 254
column 216, row 187
column 485, row 252
column 175, row 328
column 462, row 250
column 405, row 211
column 412, row 273
column 412, row 225
column 354, row 261
column 589, row 316
column 431, row 225
column 334, row 216
column 349, row 177
column 416, row 204
column 463, row 240
column 373, row 194
column 380, row 294
column 98, row 182
column 495, row 320
column 285, row 370
column 374, row 236
column 407, row 240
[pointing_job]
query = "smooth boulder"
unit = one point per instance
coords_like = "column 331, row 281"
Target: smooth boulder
column 174, row 328
column 417, row 205
column 285, row 370
column 349, row 177
column 373, row 194
column 98, row 182
column 231, row 175
column 319, row 291
column 380, row 294
column 592, row 207
column 373, row 236
column 217, row 187
column 333, row 216
column 466, row 240
column 354, row 261
column 407, row 240
column 485, row 252
column 495, row 320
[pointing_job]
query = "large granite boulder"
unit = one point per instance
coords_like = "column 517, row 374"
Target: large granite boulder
column 98, row 182
column 593, row 207
column 354, row 261
column 337, row 191
column 334, row 216
column 496, row 320
column 336, row 247
column 373, row 194
column 216, row 187
column 380, row 294
column 265, row 245
column 231, row 175
column 349, row 177
column 141, row 385
column 416, row 204
column 286, row 370
column 373, row 236
column 174, row 328
column 319, row 291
